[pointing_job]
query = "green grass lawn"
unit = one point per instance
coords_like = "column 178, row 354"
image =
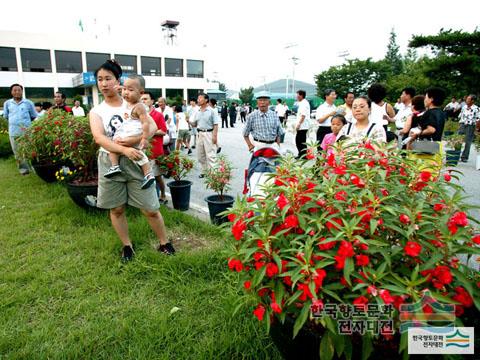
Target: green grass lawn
column 65, row 294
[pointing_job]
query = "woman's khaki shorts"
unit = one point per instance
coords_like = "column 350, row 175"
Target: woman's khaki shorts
column 124, row 188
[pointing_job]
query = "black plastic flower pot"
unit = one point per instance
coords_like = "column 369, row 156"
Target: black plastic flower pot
column 46, row 172
column 452, row 157
column 84, row 195
column 217, row 205
column 180, row 192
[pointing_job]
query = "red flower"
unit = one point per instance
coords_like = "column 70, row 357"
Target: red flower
column 235, row 265
column 447, row 177
column 412, row 249
column 476, row 239
column 362, row 260
column 341, row 196
column 238, row 229
column 442, row 276
column 463, row 297
column 360, row 302
column 317, row 305
column 276, row 308
column 459, row 219
column 259, row 312
column 247, row 284
column 345, row 249
column 386, row 297
column 398, row 300
column 404, row 219
column 341, row 170
column 231, row 217
column 340, row 262
column 384, row 192
column 258, row 265
column 318, row 277
column 170, row 165
column 439, row 207
column 282, row 201
column 258, row 256
column 306, row 293
column 326, row 246
column 425, row 176
column 271, row 270
column 372, row 290
column 291, row 221
column 288, row 280
column 310, row 154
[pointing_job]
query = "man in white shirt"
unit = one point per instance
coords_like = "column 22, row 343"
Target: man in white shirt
column 406, row 109
column 281, row 109
column 324, row 114
column 191, row 111
column 453, row 108
column 303, row 122
column 77, row 110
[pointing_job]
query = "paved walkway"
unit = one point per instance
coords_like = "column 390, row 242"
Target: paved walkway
column 234, row 147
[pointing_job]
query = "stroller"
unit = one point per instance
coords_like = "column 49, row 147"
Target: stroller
column 262, row 163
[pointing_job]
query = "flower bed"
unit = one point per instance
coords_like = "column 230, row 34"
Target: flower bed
column 363, row 226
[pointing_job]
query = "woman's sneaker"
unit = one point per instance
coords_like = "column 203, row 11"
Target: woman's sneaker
column 114, row 170
column 127, row 253
column 148, row 181
column 166, row 249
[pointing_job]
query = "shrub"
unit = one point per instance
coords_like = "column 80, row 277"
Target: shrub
column 176, row 164
column 358, row 227
column 219, row 176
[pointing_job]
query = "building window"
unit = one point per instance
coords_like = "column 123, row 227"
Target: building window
column 35, row 60
column 8, row 61
column 94, row 60
column 68, row 61
column 128, row 63
column 155, row 92
column 174, row 67
column 151, row 66
column 195, row 68
column 37, row 94
column 174, row 94
column 193, row 93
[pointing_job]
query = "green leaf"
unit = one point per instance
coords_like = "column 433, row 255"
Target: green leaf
column 347, row 270
column 414, row 274
column 332, row 294
column 373, row 226
column 367, row 347
column 338, row 343
column 348, row 347
column 403, row 342
column 326, row 347
column 465, row 282
column 301, row 319
column 436, row 257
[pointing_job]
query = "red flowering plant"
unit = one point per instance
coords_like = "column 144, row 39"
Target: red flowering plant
column 360, row 226
column 218, row 177
column 176, row 164
column 42, row 141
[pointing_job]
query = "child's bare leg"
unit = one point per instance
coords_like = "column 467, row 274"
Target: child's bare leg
column 146, row 169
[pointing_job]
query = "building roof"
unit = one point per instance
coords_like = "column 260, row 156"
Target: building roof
column 279, row 87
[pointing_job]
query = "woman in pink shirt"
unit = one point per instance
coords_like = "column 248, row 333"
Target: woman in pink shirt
column 337, row 123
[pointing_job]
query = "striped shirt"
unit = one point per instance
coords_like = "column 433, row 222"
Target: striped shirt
column 264, row 126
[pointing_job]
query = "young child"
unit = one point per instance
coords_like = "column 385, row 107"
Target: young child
column 134, row 124
column 336, row 125
column 182, row 129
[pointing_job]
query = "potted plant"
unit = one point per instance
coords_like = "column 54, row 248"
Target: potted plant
column 177, row 165
column 42, row 144
column 5, row 148
column 455, row 143
column 80, row 149
column 218, row 179
column 359, row 228
column 451, row 127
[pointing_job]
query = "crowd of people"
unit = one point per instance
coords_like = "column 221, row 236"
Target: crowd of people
column 129, row 119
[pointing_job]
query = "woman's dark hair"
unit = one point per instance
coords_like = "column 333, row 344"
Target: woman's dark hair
column 302, row 93
column 377, row 92
column 418, row 102
column 340, row 117
column 213, row 102
column 112, row 66
column 46, row 105
column 327, row 92
column 367, row 99
column 437, row 94
column 178, row 109
column 39, row 104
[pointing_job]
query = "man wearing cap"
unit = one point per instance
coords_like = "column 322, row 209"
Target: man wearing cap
column 263, row 124
column 206, row 122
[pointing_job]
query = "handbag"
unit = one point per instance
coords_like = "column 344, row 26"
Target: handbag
column 425, row 147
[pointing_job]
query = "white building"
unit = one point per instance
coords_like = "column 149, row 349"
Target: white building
column 45, row 63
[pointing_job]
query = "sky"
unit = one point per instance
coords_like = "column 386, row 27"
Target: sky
column 249, row 43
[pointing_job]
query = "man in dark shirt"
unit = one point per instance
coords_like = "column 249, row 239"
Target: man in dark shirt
column 59, row 100
column 232, row 113
column 433, row 120
column 224, row 114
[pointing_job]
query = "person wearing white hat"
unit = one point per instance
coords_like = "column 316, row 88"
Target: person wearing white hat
column 263, row 124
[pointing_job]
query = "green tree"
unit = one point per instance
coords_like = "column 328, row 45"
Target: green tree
column 222, row 86
column 393, row 58
column 412, row 75
column 455, row 64
column 355, row 75
column 246, row 95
